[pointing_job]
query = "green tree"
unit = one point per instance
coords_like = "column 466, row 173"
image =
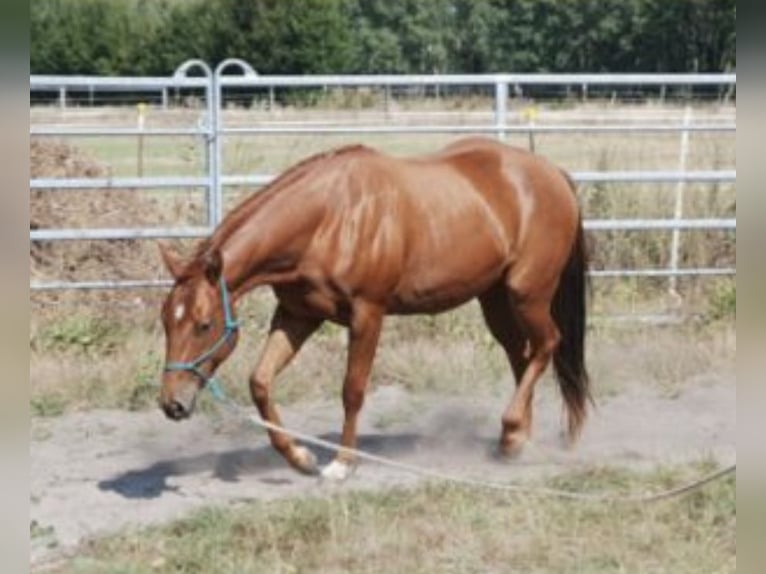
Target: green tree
column 473, row 43
column 384, row 36
column 408, row 36
column 277, row 37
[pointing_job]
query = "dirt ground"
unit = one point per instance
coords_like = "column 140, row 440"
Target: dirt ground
column 96, row 472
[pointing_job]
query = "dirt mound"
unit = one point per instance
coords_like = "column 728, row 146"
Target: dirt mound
column 57, row 159
column 98, row 208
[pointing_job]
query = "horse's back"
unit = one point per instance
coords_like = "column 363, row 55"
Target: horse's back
column 484, row 186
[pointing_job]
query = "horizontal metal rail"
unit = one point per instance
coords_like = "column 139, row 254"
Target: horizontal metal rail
column 125, row 233
column 47, row 82
column 479, row 80
column 721, row 176
column 689, row 272
column 99, row 183
column 87, row 131
column 52, row 83
column 477, row 128
column 114, row 83
column 101, row 284
column 384, row 117
column 718, row 176
column 165, row 283
column 179, row 232
column 657, row 224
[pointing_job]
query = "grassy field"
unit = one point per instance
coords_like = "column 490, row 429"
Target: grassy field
column 272, row 153
column 441, row 528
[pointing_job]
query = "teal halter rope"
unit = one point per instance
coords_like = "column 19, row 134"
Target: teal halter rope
column 231, row 326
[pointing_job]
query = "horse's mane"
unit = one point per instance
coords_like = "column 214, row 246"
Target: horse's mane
column 243, row 211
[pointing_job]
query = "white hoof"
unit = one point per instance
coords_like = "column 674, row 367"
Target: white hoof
column 337, row 471
column 305, row 460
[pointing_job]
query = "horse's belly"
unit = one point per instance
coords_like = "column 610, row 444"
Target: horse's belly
column 312, row 299
column 447, row 282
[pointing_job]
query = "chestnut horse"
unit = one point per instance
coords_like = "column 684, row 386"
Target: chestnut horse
column 352, row 235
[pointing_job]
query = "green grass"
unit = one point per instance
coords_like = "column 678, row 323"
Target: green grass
column 723, row 301
column 443, row 528
column 42, row 535
column 80, row 335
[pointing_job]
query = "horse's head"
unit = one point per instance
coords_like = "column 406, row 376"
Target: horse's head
column 200, row 329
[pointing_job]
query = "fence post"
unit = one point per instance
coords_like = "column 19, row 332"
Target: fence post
column 679, row 205
column 210, row 143
column 140, row 124
column 216, row 94
column 216, row 169
column 501, row 107
column 62, row 97
column 530, row 115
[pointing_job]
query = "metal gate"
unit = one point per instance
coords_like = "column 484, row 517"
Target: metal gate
column 212, row 131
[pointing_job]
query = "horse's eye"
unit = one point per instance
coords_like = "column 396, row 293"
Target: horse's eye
column 204, row 326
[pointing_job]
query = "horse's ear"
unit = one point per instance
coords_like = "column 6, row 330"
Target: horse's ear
column 212, row 264
column 171, row 258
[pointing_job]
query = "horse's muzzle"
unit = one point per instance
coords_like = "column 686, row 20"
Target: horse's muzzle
column 178, row 396
column 176, row 411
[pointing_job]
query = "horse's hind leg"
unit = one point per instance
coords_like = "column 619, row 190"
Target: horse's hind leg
column 287, row 334
column 364, row 332
column 506, row 327
column 543, row 338
column 509, row 331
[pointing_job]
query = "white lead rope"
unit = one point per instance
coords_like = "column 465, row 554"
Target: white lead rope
column 468, row 481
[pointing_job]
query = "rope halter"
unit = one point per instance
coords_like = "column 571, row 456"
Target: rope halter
column 231, row 326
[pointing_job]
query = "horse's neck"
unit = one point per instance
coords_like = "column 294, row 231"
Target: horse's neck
column 262, row 247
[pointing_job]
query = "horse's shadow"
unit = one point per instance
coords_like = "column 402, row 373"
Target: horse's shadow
column 230, row 466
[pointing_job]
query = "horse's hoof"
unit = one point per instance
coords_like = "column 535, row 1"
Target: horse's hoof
column 337, row 471
column 304, row 461
column 511, row 446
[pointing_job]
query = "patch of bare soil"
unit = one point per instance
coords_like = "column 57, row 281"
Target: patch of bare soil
column 95, row 472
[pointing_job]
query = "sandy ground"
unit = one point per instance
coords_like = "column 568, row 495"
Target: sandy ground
column 96, row 472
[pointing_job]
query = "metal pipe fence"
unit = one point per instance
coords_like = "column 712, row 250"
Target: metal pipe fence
column 211, row 130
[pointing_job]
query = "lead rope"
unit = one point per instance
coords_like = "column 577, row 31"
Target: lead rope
column 224, row 401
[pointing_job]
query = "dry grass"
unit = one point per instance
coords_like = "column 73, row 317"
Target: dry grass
column 440, row 528
column 270, row 153
column 83, row 360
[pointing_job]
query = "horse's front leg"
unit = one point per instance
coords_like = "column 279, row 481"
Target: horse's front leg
column 287, row 334
column 364, row 332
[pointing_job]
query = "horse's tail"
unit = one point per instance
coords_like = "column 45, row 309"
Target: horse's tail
column 569, row 313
